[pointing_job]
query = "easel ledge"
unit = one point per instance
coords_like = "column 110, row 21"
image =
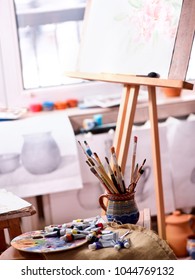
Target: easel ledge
column 131, row 79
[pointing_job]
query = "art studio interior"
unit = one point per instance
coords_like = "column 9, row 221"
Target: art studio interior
column 97, row 121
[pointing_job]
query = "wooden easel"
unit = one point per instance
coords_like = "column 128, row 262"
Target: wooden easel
column 181, row 53
column 126, row 118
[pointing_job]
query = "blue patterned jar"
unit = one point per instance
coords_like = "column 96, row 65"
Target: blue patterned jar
column 121, row 208
column 191, row 246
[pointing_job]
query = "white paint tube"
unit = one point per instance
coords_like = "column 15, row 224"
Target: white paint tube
column 101, row 244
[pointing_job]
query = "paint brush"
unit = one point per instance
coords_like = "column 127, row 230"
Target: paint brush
column 133, row 185
column 139, row 175
column 116, row 166
column 131, row 188
column 83, row 149
column 88, row 150
column 144, row 161
column 111, row 173
column 102, row 173
column 123, row 181
column 101, row 179
column 98, row 159
column 135, row 173
column 133, row 157
column 92, row 155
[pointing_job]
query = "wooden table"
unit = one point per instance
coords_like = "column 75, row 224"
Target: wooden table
column 11, row 221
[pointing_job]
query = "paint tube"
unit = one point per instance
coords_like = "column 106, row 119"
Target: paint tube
column 78, row 221
column 80, row 226
column 52, row 228
column 127, row 243
column 93, row 226
column 92, row 236
column 105, row 231
column 55, row 233
column 122, row 244
column 76, row 231
column 101, row 244
column 69, row 237
column 112, row 235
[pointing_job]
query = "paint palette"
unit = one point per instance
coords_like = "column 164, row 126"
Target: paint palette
column 7, row 114
column 36, row 242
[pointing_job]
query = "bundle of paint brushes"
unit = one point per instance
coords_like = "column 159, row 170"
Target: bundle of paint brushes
column 112, row 178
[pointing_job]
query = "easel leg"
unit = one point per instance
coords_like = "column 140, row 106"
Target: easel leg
column 125, row 122
column 157, row 162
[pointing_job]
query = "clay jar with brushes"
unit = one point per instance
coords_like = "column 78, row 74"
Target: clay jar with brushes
column 121, row 208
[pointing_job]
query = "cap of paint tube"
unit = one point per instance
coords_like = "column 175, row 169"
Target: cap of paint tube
column 48, row 105
column 35, row 107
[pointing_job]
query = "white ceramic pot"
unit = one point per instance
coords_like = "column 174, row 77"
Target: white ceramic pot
column 9, row 162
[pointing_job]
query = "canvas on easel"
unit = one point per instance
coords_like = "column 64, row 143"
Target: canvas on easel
column 136, row 36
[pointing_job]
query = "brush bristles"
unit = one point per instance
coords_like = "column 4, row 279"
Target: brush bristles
column 107, row 160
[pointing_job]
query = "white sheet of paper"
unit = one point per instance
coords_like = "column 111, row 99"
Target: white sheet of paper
column 181, row 139
column 25, row 184
column 145, row 190
column 9, row 202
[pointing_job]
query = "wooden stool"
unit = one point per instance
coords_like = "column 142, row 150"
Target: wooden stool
column 11, row 221
column 145, row 219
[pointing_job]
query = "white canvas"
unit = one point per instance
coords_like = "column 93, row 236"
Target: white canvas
column 133, row 37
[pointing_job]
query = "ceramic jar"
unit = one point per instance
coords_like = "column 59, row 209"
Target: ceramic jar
column 121, row 208
column 171, row 92
column 40, row 153
column 178, row 227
